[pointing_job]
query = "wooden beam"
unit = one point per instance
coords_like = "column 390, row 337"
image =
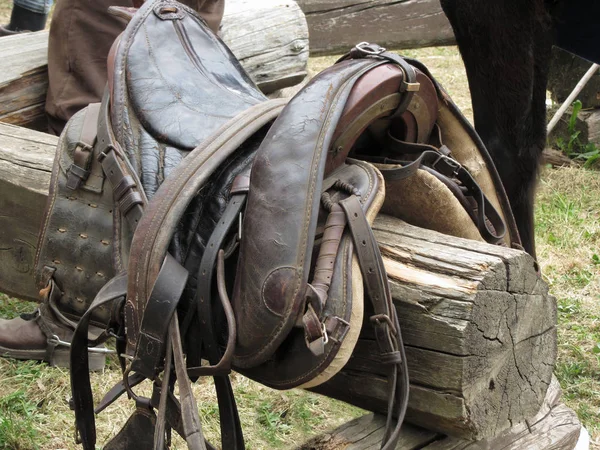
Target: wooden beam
column 478, row 324
column 270, row 38
column 337, row 25
column 26, row 159
column 554, row 427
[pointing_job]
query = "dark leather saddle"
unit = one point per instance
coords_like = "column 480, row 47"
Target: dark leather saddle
column 215, row 229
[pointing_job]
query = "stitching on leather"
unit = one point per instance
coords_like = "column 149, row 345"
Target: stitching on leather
column 265, row 284
column 324, row 361
column 50, row 208
column 351, row 77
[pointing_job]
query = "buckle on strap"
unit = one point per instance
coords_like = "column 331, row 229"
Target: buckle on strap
column 366, row 48
column 447, row 166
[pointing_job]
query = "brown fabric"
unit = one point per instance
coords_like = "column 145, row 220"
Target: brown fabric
column 81, row 35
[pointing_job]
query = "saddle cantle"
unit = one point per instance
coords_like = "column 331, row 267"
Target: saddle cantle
column 212, row 229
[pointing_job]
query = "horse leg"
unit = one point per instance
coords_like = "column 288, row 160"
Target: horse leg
column 505, row 45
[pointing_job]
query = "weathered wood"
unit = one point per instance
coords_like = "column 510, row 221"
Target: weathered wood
column 554, row 427
column 270, row 38
column 25, row 164
column 478, row 324
column 556, row 158
column 479, row 329
column 23, row 78
column 337, row 25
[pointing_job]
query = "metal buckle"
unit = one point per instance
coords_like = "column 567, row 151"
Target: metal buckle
column 104, row 153
column 384, row 318
column 83, row 146
column 450, row 167
column 325, row 336
column 369, row 49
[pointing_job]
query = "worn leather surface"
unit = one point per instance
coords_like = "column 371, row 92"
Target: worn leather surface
column 282, row 212
column 175, row 83
column 293, row 364
column 76, row 242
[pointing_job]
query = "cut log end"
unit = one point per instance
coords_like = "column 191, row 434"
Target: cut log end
column 479, row 329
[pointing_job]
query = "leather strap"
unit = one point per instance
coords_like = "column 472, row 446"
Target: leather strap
column 160, row 307
column 385, row 320
column 231, row 429
column 189, row 409
column 83, row 401
column 82, row 155
column 409, row 84
column 127, row 191
column 438, row 164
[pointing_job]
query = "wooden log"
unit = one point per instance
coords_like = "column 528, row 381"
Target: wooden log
column 554, row 427
column 478, row 324
column 26, row 158
column 270, row 38
column 338, row 25
column 479, row 330
column 556, row 158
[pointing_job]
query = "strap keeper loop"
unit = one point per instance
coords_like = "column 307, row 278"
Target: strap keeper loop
column 378, row 319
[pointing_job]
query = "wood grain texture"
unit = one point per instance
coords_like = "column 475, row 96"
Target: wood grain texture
column 479, row 328
column 554, row 427
column 337, row 25
column 477, row 321
column 25, row 164
column 270, row 38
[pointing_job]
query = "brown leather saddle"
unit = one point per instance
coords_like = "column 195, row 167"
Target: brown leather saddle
column 216, row 229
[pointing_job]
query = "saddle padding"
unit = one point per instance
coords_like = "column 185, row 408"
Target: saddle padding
column 282, row 211
column 424, row 201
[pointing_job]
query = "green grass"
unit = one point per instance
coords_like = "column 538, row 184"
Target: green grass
column 568, row 241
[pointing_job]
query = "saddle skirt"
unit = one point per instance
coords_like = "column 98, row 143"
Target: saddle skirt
column 210, row 228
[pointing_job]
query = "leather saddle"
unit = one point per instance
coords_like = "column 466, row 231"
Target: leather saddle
column 209, row 228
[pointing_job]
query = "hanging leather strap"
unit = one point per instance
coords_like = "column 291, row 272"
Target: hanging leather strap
column 161, row 306
column 384, row 321
column 83, row 401
column 231, row 428
column 189, row 409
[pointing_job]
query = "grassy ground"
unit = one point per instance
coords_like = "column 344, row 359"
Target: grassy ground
column 34, row 409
